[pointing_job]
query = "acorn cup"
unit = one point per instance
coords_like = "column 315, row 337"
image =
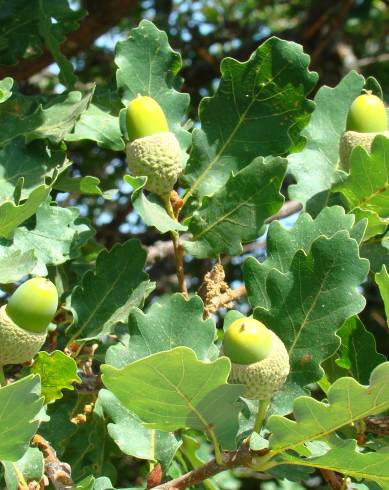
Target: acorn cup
column 259, row 359
column 366, row 119
column 153, row 151
column 24, row 320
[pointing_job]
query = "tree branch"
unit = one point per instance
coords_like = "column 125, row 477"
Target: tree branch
column 103, row 15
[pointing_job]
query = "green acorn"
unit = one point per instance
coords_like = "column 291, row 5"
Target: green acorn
column 24, row 320
column 153, row 151
column 259, row 359
column 366, row 119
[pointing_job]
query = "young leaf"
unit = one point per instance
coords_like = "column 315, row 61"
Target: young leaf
column 283, row 244
column 173, row 390
column 382, row 280
column 56, row 231
column 237, row 212
column 348, row 401
column 311, row 301
column 20, row 404
column 314, row 168
column 358, row 351
column 259, row 108
column 104, row 291
column 367, row 186
column 177, row 321
column 132, row 437
column 148, row 66
column 57, row 371
column 151, row 210
column 347, row 460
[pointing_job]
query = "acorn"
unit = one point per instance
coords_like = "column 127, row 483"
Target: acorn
column 366, row 119
column 153, row 151
column 259, row 359
column 24, row 320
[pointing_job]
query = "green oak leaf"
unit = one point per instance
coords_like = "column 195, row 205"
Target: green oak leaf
column 132, row 437
column 6, row 89
column 20, row 404
column 367, row 185
column 97, row 124
column 377, row 251
column 237, row 212
column 283, row 244
column 382, row 280
column 12, row 215
column 30, row 465
column 375, row 224
column 54, row 120
column 34, row 162
column 20, row 32
column 57, row 371
column 173, row 390
column 177, row 321
column 259, row 108
column 52, row 239
column 315, row 167
column 349, row 461
column 48, row 30
column 103, row 291
column 88, row 185
column 310, row 301
column 150, row 208
column 348, row 401
column 358, row 352
column 15, row 264
column 148, row 66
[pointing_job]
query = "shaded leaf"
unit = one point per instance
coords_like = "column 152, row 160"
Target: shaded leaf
column 30, row 465
column 358, row 352
column 382, row 280
column 103, row 291
column 237, row 212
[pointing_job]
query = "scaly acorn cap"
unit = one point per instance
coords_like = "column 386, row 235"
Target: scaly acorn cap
column 16, row 344
column 350, row 139
column 263, row 378
column 158, row 157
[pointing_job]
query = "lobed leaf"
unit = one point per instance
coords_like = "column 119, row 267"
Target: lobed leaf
column 103, row 291
column 382, row 280
column 237, row 212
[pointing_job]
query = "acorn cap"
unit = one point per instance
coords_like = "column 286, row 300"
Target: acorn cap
column 264, row 378
column 350, row 139
column 158, row 157
column 16, row 344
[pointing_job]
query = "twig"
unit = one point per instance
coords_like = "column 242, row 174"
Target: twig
column 58, row 472
column 289, row 208
column 178, row 250
column 377, row 425
column 332, row 478
column 233, row 459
